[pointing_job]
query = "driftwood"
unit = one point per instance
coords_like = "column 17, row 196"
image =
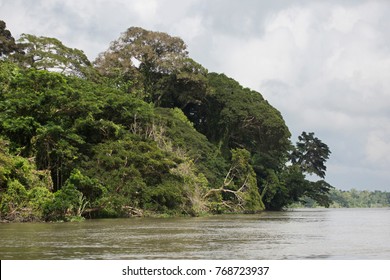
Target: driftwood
column 223, row 189
column 132, row 211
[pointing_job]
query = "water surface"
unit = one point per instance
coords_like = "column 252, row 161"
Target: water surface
column 298, row 234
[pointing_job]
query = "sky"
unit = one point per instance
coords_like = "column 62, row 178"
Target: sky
column 325, row 65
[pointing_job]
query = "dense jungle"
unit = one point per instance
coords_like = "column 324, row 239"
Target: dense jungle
column 143, row 130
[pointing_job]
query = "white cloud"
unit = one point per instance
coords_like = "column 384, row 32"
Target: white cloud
column 194, row 24
column 378, row 148
column 146, row 10
column 342, row 19
column 296, row 20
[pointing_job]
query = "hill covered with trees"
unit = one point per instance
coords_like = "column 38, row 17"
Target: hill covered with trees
column 142, row 130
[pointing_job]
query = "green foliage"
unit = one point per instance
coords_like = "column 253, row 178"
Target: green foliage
column 185, row 138
column 44, row 53
column 292, row 187
column 289, row 185
column 24, row 191
column 39, row 201
column 30, row 101
column 245, row 181
column 57, row 150
column 78, row 139
column 319, row 192
column 166, row 196
column 359, row 199
column 311, row 154
column 14, row 198
column 274, row 193
column 8, row 73
column 239, row 117
column 6, row 164
column 21, row 204
column 131, row 168
column 194, row 185
column 91, row 189
column 155, row 67
column 67, row 203
column 239, row 192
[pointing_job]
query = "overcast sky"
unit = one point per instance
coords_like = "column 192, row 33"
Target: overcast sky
column 324, row 64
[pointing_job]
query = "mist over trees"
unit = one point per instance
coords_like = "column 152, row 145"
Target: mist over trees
column 142, row 130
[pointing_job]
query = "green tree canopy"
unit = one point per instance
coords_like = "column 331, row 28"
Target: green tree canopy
column 237, row 117
column 157, row 64
column 150, row 52
column 289, row 185
column 44, row 53
column 311, row 154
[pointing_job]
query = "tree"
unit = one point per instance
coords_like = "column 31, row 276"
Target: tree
column 237, row 117
column 359, row 199
column 24, row 190
column 45, row 53
column 7, row 42
column 311, row 154
column 179, row 134
column 150, row 52
column 319, row 191
column 289, row 184
column 156, row 63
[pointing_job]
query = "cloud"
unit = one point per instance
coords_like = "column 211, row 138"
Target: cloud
column 377, row 147
column 325, row 67
column 194, row 24
column 146, row 11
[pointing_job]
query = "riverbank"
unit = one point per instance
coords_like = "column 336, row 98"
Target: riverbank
column 28, row 218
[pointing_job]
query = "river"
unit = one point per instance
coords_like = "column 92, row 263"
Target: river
column 340, row 234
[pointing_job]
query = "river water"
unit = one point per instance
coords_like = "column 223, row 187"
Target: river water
column 339, row 234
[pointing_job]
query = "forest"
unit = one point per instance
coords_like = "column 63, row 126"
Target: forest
column 143, row 130
column 350, row 199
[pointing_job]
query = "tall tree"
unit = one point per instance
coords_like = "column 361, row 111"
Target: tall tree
column 150, row 52
column 237, row 117
column 157, row 64
column 44, row 53
column 290, row 184
column 311, row 154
